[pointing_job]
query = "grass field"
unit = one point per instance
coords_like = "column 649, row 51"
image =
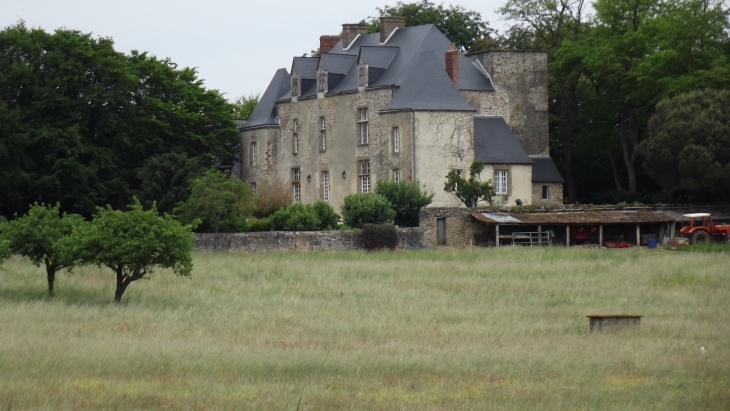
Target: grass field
column 429, row 330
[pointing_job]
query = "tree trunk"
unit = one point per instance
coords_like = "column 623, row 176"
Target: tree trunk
column 51, row 275
column 566, row 138
column 615, row 172
column 628, row 148
column 122, row 285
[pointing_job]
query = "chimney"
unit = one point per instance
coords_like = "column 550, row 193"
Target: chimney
column 327, row 42
column 452, row 65
column 350, row 31
column 388, row 24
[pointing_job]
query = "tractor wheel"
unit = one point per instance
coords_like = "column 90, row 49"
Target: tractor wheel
column 700, row 237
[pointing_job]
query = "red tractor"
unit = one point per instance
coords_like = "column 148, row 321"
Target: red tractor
column 701, row 230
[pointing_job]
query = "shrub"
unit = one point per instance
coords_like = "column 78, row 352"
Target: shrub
column 296, row 217
column 406, row 199
column 379, row 236
column 359, row 209
column 259, row 224
column 328, row 218
column 271, row 197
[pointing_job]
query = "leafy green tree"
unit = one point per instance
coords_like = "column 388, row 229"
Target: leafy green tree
column 37, row 235
column 473, row 190
column 166, row 180
column 463, row 27
column 4, row 244
column 132, row 244
column 219, row 201
column 688, row 151
column 366, row 208
column 243, row 106
column 295, row 217
column 406, row 198
column 78, row 119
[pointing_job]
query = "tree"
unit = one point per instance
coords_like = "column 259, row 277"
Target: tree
column 4, row 244
column 166, row 180
column 406, row 198
column 271, row 197
column 79, row 119
column 463, row 27
column 132, row 244
column 243, row 106
column 328, row 218
column 219, row 201
column 305, row 217
column 37, row 235
column 366, row 208
column 473, row 190
column 688, row 150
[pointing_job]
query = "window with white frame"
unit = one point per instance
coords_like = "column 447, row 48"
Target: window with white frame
column 460, row 173
column 322, row 134
column 500, row 181
column 545, row 192
column 364, row 172
column 253, row 153
column 326, row 185
column 362, row 126
column 396, row 140
column 295, row 136
column 396, row 176
column 295, row 175
column 296, row 187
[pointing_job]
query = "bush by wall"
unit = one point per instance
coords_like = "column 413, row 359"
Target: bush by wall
column 256, row 224
column 379, row 236
column 359, row 209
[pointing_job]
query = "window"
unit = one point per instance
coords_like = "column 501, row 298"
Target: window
column 253, row 186
column 459, row 172
column 253, row 153
column 295, row 137
column 296, row 187
column 396, row 140
column 396, row 176
column 326, row 185
column 297, row 192
column 500, row 181
column 545, row 192
column 322, row 134
column 362, row 126
column 364, row 176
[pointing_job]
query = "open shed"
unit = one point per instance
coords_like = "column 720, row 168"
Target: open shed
column 583, row 227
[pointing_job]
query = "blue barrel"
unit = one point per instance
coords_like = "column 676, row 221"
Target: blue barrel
column 651, row 242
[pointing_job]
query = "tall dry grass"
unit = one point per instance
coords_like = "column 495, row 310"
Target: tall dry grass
column 430, row 330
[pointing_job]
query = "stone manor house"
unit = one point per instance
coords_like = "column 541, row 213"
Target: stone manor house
column 402, row 104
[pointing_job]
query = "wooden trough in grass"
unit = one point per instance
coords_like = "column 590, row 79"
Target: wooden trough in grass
column 609, row 322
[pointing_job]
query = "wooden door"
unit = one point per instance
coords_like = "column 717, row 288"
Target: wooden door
column 441, row 231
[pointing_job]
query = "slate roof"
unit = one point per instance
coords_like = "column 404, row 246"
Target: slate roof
column 544, row 170
column 495, row 143
column 265, row 112
column 428, row 87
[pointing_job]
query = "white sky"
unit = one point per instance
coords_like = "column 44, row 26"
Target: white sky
column 235, row 45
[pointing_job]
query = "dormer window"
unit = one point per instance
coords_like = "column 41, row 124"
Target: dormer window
column 322, row 77
column 296, row 85
column 362, row 75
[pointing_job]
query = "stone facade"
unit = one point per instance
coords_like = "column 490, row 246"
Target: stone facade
column 461, row 229
column 520, row 79
column 555, row 193
column 408, row 238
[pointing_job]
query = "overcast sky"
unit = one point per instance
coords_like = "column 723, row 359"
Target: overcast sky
column 235, row 45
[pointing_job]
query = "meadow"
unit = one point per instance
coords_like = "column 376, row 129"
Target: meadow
column 496, row 329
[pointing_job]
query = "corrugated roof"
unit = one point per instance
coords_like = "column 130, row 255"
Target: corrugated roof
column 428, row 87
column 544, row 170
column 576, row 218
column 495, row 143
column 265, row 112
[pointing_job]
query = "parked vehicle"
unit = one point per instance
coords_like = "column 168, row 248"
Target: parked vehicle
column 700, row 229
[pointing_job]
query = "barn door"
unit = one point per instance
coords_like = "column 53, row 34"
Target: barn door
column 441, row 231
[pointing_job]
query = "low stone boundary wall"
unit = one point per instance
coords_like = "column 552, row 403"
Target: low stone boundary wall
column 408, row 238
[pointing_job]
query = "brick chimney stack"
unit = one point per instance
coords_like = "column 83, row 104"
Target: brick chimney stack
column 350, row 31
column 327, row 42
column 452, row 65
column 388, row 24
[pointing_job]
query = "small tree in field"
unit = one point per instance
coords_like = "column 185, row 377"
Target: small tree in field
column 132, row 244
column 473, row 190
column 37, row 234
column 359, row 209
column 406, row 198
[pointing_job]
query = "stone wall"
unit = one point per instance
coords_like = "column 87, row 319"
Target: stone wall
column 462, row 230
column 408, row 238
